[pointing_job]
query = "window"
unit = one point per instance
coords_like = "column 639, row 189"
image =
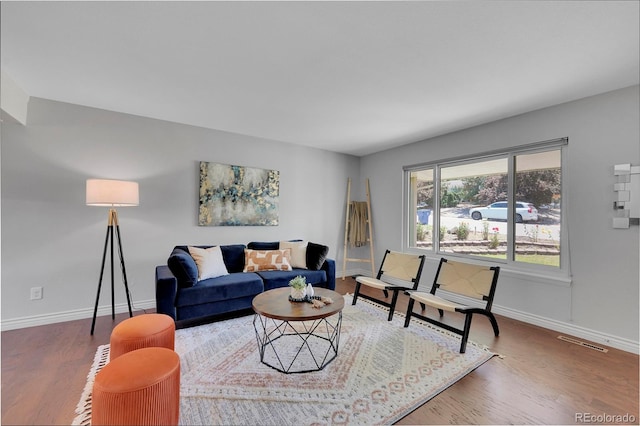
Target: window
column 538, row 179
column 506, row 206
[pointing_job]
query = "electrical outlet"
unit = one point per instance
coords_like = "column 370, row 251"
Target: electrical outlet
column 36, row 293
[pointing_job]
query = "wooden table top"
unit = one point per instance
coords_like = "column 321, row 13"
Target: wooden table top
column 275, row 304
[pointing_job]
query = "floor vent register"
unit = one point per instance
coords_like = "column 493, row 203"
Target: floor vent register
column 584, row 344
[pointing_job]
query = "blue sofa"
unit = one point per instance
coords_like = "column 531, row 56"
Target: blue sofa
column 180, row 295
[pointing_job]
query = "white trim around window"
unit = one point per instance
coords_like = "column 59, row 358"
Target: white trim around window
column 549, row 230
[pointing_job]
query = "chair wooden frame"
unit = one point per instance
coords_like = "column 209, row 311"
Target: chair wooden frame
column 475, row 281
column 404, row 267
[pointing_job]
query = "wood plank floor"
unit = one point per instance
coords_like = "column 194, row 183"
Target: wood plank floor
column 539, row 380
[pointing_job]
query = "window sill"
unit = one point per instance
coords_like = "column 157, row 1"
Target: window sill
column 559, row 278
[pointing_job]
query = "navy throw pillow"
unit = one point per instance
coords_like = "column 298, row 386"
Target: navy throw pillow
column 264, row 245
column 233, row 256
column 183, row 267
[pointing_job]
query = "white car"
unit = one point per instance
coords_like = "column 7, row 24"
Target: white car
column 525, row 212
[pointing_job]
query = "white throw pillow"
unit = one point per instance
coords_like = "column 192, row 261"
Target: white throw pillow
column 298, row 252
column 209, row 262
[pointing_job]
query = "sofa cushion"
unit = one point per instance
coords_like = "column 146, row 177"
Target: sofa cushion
column 316, row 255
column 183, row 267
column 227, row 287
column 200, row 312
column 298, row 253
column 267, row 260
column 209, row 262
column 277, row 279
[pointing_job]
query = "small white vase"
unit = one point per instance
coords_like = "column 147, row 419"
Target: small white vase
column 310, row 291
column 298, row 293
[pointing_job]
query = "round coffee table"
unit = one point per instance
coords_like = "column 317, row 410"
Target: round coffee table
column 295, row 337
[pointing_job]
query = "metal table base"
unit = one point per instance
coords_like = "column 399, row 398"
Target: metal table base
column 297, row 346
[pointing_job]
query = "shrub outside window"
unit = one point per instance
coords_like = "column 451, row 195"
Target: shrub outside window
column 504, row 206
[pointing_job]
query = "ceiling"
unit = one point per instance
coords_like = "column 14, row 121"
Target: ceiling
column 350, row 77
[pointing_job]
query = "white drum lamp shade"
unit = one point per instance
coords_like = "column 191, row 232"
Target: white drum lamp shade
column 112, row 193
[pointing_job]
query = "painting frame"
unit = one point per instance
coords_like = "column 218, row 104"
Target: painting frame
column 232, row 195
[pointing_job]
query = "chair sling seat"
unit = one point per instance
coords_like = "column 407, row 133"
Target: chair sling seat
column 402, row 267
column 375, row 283
column 436, row 302
column 469, row 280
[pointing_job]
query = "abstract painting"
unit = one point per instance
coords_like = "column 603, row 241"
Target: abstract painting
column 238, row 196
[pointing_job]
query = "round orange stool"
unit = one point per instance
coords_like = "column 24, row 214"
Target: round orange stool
column 141, row 387
column 143, row 331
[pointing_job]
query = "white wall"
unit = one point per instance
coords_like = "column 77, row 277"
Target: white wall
column 50, row 238
column 13, row 99
column 603, row 298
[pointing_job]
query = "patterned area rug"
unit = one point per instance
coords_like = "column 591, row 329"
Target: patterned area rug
column 383, row 371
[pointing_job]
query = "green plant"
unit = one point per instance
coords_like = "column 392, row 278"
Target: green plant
column 549, row 234
column 448, row 198
column 494, row 242
column 532, row 234
column 463, row 231
column 485, row 229
column 421, row 231
column 298, row 282
column 443, row 232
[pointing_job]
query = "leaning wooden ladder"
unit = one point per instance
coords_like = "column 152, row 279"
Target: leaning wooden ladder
column 348, row 224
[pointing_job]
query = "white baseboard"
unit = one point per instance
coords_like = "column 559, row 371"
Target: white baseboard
column 610, row 340
column 33, row 321
column 551, row 324
column 351, row 273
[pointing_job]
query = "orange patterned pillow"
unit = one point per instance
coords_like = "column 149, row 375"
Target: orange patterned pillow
column 267, row 260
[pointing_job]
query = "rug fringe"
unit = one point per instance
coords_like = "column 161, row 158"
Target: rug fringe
column 437, row 383
column 83, row 409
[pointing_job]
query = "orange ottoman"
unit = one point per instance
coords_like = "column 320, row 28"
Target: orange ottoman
column 143, row 331
column 141, row 387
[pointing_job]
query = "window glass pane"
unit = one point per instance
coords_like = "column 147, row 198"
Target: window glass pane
column 469, row 223
column 421, row 193
column 538, row 187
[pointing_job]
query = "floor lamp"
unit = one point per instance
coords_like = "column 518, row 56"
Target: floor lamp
column 112, row 193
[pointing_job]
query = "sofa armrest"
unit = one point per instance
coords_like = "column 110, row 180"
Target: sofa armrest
column 166, row 291
column 329, row 266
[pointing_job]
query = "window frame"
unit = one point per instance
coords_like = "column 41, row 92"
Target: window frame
column 555, row 274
